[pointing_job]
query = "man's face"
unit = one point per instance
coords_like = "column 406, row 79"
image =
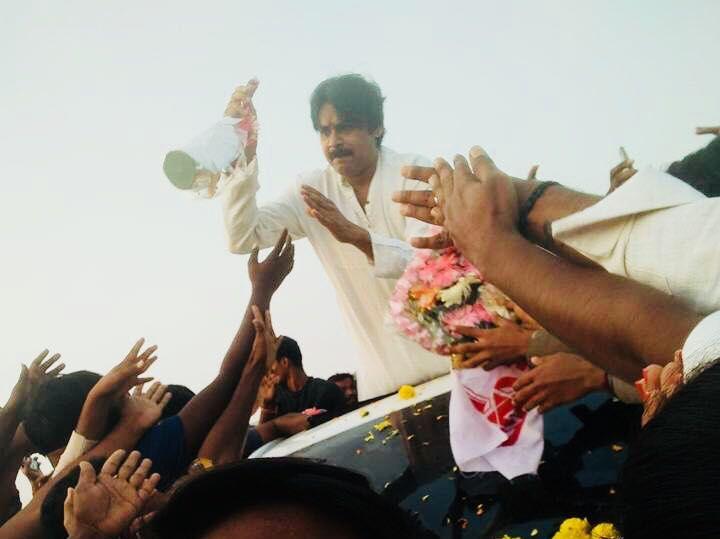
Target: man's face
column 350, row 149
column 347, row 385
column 281, row 368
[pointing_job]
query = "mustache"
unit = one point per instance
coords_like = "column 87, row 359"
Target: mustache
column 340, row 152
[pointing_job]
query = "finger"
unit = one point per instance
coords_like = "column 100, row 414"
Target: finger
column 140, row 474
column 167, row 397
column 69, row 501
column 499, row 321
column 87, row 474
column 279, row 245
column 415, row 198
column 617, row 168
column 129, row 466
column 147, row 353
column 254, row 256
column 152, row 390
column 44, row 366
column 39, row 359
column 269, row 326
column 135, row 349
column 462, row 167
column 438, row 241
column 437, row 215
column 468, row 348
column 149, row 486
column 470, row 331
column 418, row 212
column 624, row 175
column 57, row 370
column 533, row 172
column 113, row 462
column 287, row 247
column 445, row 174
column 415, row 172
column 137, row 392
column 537, row 399
column 523, row 380
column 476, row 360
column 159, row 393
column 143, row 381
column 524, row 394
column 258, row 320
column 707, row 130
column 480, row 162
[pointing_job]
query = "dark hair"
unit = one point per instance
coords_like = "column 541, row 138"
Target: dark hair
column 341, row 376
column 181, row 395
column 341, row 494
column 52, row 511
column 357, row 101
column 701, row 169
column 672, row 476
column 54, row 412
column 11, row 509
column 290, row 349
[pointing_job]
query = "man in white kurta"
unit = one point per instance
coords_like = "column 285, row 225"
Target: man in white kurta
column 363, row 281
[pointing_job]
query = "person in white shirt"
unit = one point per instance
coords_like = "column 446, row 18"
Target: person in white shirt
column 347, row 214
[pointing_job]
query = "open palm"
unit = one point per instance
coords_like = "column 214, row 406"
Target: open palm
column 108, row 502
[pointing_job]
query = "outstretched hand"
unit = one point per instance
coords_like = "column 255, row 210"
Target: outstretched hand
column 146, row 407
column 127, row 374
column 266, row 344
column 708, row 131
column 505, row 344
column 324, row 210
column 32, row 377
column 104, row 505
column 267, row 276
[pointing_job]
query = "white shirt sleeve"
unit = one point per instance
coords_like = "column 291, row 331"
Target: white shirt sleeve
column 76, row 447
column 702, row 347
column 392, row 255
column 248, row 225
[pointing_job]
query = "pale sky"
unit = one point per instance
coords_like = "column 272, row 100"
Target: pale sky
column 98, row 247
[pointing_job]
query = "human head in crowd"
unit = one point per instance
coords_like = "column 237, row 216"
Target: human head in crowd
column 347, row 384
column 347, row 112
column 701, row 169
column 54, row 412
column 181, row 395
column 285, row 497
column 289, row 359
column 672, row 476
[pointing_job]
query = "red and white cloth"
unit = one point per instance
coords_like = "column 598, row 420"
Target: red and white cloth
column 487, row 432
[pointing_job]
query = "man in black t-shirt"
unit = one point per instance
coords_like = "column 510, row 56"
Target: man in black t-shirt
column 291, row 401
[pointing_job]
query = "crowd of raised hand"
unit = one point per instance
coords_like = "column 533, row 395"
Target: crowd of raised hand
column 645, row 328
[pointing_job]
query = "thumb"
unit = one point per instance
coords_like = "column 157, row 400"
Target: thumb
column 253, row 256
column 69, row 500
column 498, row 320
column 480, row 162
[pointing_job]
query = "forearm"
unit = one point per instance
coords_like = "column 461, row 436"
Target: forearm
column 556, row 202
column 268, row 413
column 200, row 414
column 618, row 324
column 9, row 422
column 94, row 416
column 360, row 238
column 224, row 443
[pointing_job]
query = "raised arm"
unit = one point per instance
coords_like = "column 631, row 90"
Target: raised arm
column 224, row 443
column 200, row 414
column 618, row 324
column 247, row 224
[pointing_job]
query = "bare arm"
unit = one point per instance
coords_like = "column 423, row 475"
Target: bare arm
column 618, row 324
column 224, row 443
column 201, row 413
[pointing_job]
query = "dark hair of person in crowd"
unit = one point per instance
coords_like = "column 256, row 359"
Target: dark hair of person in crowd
column 340, row 376
column 342, row 498
column 54, row 412
column 53, row 507
column 671, row 479
column 181, row 395
column 700, row 169
column 290, row 349
column 358, row 102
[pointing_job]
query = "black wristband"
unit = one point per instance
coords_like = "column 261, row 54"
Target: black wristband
column 528, row 205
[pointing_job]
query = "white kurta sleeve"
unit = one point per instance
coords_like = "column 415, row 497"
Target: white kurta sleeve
column 248, row 224
column 391, row 255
